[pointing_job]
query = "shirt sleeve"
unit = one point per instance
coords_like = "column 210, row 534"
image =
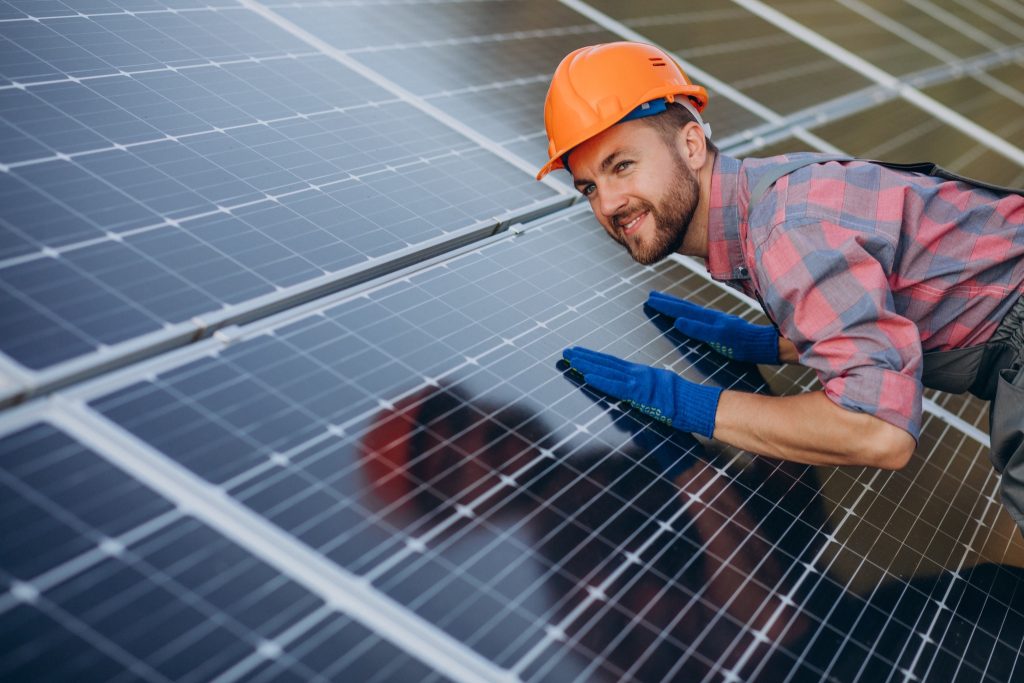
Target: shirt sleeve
column 828, row 291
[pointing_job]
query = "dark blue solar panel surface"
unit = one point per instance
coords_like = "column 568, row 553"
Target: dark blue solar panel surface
column 108, row 581
column 177, row 189
column 169, row 167
column 524, row 507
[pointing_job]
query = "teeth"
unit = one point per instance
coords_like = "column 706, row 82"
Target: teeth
column 626, row 227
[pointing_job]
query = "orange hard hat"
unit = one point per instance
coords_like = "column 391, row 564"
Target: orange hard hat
column 598, row 86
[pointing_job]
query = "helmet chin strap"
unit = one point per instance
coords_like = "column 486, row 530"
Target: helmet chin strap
column 696, row 116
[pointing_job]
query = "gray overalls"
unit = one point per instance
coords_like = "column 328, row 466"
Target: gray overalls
column 993, row 371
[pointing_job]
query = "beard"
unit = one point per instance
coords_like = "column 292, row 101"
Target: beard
column 671, row 218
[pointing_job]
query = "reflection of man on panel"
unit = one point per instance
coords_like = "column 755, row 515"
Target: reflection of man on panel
column 715, row 585
column 882, row 278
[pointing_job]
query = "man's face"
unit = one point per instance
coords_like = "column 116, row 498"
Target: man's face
column 639, row 187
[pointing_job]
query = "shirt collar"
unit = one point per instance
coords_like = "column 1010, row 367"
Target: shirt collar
column 725, row 246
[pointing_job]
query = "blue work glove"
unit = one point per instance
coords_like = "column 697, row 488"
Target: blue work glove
column 731, row 336
column 662, row 394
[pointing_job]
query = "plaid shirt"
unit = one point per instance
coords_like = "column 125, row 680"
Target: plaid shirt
column 863, row 268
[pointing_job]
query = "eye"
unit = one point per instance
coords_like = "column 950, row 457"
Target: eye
column 588, row 189
column 623, row 165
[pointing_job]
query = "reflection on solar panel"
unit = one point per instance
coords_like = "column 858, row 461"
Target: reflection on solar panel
column 282, row 306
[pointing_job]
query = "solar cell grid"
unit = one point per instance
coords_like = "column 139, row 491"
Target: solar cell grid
column 398, row 482
column 110, row 580
column 102, row 44
column 312, row 483
column 257, row 215
column 722, row 39
column 359, row 26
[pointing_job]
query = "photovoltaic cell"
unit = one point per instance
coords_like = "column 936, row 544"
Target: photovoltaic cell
column 110, row 581
column 751, row 55
column 122, row 37
column 207, row 187
column 169, row 166
column 359, row 26
column 405, row 455
column 897, row 130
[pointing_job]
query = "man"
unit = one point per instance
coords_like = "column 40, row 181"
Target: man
column 882, row 279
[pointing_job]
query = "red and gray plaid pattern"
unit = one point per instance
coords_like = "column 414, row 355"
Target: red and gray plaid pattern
column 863, row 268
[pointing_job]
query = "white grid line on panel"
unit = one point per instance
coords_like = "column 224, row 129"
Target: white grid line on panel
column 866, row 489
column 929, row 46
column 957, row 24
column 928, row 104
column 185, row 331
column 119, row 548
column 132, row 664
column 210, row 504
column 121, row 13
column 926, row 636
column 754, row 630
column 763, row 554
column 228, row 209
column 956, row 422
column 1010, row 6
column 277, row 647
column 298, row 116
column 555, row 633
column 701, row 75
column 810, row 568
column 755, row 138
column 990, row 506
column 374, row 3
column 268, row 197
column 392, row 87
column 899, row 30
column 1010, row 131
column 123, row 73
column 956, row 565
column 478, row 356
column 582, row 29
column 481, row 356
column 599, row 593
column 170, row 39
column 75, row 566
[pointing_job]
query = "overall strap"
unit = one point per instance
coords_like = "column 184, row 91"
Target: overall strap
column 924, row 168
column 772, row 176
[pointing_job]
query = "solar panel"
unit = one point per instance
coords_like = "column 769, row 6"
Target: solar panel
column 285, row 308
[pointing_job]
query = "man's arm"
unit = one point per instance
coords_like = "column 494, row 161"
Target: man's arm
column 787, row 351
column 810, row 428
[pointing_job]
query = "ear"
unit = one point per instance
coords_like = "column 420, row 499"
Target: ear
column 692, row 145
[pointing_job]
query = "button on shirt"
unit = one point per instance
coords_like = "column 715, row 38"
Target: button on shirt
column 864, row 268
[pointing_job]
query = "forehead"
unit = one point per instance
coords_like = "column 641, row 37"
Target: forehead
column 629, row 135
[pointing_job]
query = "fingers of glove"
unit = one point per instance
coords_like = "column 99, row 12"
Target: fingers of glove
column 603, row 372
column 585, row 360
column 671, row 306
column 697, row 330
column 618, row 386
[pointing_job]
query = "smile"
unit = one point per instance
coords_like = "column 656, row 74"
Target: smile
column 633, row 225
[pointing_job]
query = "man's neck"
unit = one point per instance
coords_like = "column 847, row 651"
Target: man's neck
column 696, row 241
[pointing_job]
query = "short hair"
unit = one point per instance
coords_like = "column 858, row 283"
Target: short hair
column 668, row 123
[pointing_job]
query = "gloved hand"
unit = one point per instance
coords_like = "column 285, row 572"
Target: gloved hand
column 662, row 394
column 731, row 336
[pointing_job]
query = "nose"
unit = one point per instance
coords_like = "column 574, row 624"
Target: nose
column 611, row 200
